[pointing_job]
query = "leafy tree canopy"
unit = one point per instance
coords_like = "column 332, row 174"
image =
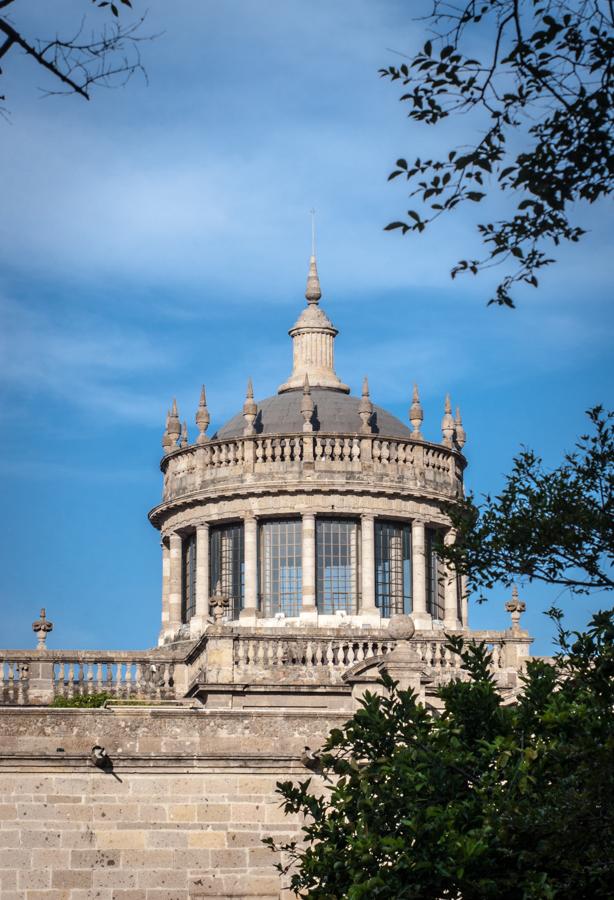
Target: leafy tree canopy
column 554, row 526
column 488, row 800
column 540, row 100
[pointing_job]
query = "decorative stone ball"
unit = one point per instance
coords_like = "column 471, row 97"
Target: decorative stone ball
column 401, row 628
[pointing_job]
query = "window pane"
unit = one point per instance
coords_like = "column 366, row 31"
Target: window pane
column 393, row 568
column 435, row 580
column 227, row 564
column 281, row 581
column 188, row 588
column 337, row 565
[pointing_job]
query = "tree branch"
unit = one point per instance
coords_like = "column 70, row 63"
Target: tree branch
column 16, row 38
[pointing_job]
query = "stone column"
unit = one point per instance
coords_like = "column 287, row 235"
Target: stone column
column 250, row 609
column 309, row 610
column 368, row 610
column 450, row 617
column 166, row 568
column 420, row 615
column 199, row 620
column 175, row 579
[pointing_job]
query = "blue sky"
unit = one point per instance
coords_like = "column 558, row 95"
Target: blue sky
column 158, row 237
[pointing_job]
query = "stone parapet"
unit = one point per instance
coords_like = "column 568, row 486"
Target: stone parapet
column 303, row 460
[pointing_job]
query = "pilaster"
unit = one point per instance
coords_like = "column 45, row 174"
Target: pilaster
column 420, row 615
column 309, row 610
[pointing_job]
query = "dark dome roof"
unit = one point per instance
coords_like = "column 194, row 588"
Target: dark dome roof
column 334, row 412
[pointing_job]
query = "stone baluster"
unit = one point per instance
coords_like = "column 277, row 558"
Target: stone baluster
column 420, row 615
column 309, row 609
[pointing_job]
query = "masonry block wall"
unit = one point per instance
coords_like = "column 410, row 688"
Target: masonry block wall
column 182, row 815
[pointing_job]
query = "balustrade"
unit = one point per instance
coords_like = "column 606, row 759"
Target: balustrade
column 30, row 678
column 431, row 465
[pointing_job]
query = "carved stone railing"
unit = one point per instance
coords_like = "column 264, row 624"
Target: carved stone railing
column 31, row 677
column 227, row 655
column 419, row 463
column 323, row 655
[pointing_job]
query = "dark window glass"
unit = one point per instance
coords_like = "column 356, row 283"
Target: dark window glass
column 227, row 564
column 281, row 581
column 188, row 594
column 337, row 565
column 393, row 568
column 435, row 577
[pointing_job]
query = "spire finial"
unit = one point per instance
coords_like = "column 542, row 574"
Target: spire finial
column 184, row 435
column 460, row 435
column 312, row 213
column 250, row 409
column 365, row 409
column 313, row 292
column 174, row 427
column 202, row 417
column 167, row 441
column 416, row 415
column 447, row 423
column 307, row 406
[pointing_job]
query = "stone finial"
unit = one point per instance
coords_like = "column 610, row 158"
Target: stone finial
column 219, row 604
column 313, row 292
column 42, row 627
column 460, row 436
column 515, row 607
column 174, row 427
column 307, row 406
column 250, row 409
column 365, row 409
column 416, row 415
column 167, row 441
column 202, row 418
column 184, row 435
column 447, row 424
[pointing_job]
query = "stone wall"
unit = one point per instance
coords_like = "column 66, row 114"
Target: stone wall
column 181, row 815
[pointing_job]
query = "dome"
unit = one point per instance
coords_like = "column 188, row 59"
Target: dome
column 334, row 412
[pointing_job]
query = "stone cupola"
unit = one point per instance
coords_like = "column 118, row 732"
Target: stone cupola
column 313, row 338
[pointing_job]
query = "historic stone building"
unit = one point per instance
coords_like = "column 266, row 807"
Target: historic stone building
column 296, row 544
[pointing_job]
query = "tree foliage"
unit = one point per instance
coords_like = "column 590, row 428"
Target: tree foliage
column 79, row 61
column 554, row 526
column 541, row 99
column 488, row 800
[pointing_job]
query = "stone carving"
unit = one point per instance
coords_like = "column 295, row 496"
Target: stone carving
column 401, row 627
column 365, row 410
column 447, row 424
column 42, row 627
column 219, row 605
column 515, row 607
column 416, row 415
column 202, row 418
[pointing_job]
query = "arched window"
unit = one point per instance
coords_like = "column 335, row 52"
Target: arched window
column 337, row 565
column 281, row 581
column 188, row 587
column 435, row 576
column 393, row 568
column 227, row 564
